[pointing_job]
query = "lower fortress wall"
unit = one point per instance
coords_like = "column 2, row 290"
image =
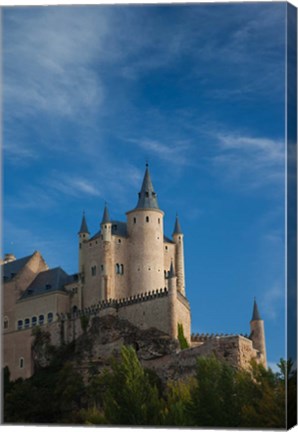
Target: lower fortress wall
column 152, row 309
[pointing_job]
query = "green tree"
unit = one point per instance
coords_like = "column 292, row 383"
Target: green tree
column 178, row 396
column 181, row 338
column 130, row 398
column 214, row 398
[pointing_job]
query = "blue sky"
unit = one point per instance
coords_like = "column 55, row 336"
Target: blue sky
column 91, row 93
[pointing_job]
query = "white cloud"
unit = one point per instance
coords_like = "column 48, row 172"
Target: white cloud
column 73, row 186
column 254, row 161
column 272, row 300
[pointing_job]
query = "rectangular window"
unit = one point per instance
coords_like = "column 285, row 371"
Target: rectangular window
column 134, row 220
column 93, row 271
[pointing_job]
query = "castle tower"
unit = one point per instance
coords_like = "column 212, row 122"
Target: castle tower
column 172, row 287
column 83, row 237
column 257, row 333
column 107, row 258
column 179, row 256
column 145, row 231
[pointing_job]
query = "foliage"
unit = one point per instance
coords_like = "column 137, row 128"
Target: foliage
column 181, row 338
column 130, row 398
column 128, row 394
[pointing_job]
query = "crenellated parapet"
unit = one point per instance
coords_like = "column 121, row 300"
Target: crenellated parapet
column 95, row 309
column 203, row 337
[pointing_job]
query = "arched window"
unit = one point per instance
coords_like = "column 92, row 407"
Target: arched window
column 21, row 362
column 74, row 309
column 117, row 268
column 5, row 323
column 93, row 271
column 134, row 220
column 41, row 319
column 34, row 321
column 159, row 220
column 121, row 269
column 147, row 218
column 20, row 324
column 50, row 317
column 27, row 323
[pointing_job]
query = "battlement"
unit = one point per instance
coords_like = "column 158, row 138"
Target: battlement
column 114, row 304
column 202, row 337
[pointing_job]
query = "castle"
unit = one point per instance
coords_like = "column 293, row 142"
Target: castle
column 127, row 269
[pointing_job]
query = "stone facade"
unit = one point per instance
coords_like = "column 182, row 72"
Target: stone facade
column 129, row 270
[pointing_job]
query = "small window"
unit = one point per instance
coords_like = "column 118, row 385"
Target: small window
column 80, row 245
column 147, row 194
column 166, row 247
column 147, row 218
column 119, row 240
column 121, row 269
column 27, row 323
column 114, row 227
column 84, row 235
column 102, row 267
column 134, row 220
column 50, row 317
column 21, row 362
column 5, row 323
column 48, row 286
column 34, row 321
column 41, row 319
column 105, row 227
column 93, row 271
column 117, row 268
column 74, row 309
column 20, row 324
column 159, row 220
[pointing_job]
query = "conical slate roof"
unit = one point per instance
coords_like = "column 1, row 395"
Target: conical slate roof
column 177, row 227
column 147, row 196
column 171, row 272
column 84, row 228
column 106, row 216
column 256, row 314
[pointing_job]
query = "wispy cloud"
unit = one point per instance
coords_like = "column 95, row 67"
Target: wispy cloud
column 273, row 300
column 73, row 186
column 256, row 161
column 176, row 153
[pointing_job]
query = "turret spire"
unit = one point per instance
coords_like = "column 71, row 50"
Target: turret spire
column 177, row 227
column 106, row 216
column 147, row 196
column 256, row 314
column 84, row 228
column 171, row 272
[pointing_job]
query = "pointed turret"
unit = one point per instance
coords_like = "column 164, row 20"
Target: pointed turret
column 179, row 255
column 177, row 227
column 171, row 272
column 106, row 216
column 147, row 196
column 255, row 314
column 84, row 228
column 257, row 333
column 106, row 225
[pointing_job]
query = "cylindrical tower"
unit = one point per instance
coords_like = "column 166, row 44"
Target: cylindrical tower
column 173, row 322
column 83, row 237
column 145, row 231
column 257, row 333
column 107, row 258
column 179, row 256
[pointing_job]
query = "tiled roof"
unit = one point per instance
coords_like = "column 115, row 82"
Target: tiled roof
column 47, row 282
column 84, row 228
column 118, row 228
column 106, row 216
column 177, row 227
column 147, row 196
column 256, row 314
column 12, row 268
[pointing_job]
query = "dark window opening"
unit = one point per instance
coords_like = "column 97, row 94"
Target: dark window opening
column 134, row 220
column 147, row 218
column 27, row 323
column 48, row 286
column 159, row 220
column 93, row 271
column 21, row 362
column 20, row 324
column 34, row 321
column 50, row 317
column 41, row 319
column 119, row 240
column 147, row 194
